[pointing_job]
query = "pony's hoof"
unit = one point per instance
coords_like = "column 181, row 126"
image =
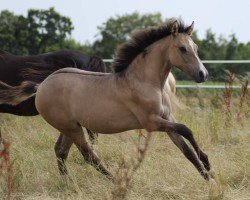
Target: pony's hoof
column 65, row 178
column 110, row 177
column 205, row 175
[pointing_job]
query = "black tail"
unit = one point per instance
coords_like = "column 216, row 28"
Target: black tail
column 13, row 95
column 37, row 72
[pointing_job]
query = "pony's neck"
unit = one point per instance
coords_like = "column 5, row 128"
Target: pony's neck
column 153, row 66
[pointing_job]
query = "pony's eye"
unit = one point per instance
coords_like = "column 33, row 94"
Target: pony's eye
column 183, row 49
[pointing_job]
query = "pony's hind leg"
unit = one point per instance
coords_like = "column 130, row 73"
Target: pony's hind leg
column 86, row 150
column 62, row 148
column 92, row 136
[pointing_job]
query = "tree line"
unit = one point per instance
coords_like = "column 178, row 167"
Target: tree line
column 47, row 30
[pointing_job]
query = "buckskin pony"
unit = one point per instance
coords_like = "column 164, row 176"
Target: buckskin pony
column 133, row 96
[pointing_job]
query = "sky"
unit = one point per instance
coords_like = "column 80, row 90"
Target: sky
column 222, row 16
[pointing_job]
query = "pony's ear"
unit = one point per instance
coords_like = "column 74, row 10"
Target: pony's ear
column 190, row 29
column 174, row 28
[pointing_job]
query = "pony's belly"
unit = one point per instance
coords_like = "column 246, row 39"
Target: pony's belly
column 109, row 128
column 110, row 118
column 110, row 123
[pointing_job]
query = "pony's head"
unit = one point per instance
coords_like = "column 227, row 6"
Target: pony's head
column 183, row 53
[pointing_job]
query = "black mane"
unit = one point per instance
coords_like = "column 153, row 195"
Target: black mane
column 140, row 41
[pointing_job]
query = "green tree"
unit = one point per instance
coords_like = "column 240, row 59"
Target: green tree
column 72, row 44
column 232, row 47
column 117, row 30
column 13, row 32
column 7, row 29
column 40, row 31
column 46, row 28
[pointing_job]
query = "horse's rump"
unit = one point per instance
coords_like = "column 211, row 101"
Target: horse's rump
column 16, row 69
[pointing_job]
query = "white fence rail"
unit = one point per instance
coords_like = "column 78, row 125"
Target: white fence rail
column 209, row 86
column 207, row 61
column 198, row 86
column 226, row 61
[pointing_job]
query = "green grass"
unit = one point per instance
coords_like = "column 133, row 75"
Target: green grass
column 165, row 173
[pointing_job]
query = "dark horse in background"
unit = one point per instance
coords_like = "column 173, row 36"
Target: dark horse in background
column 16, row 69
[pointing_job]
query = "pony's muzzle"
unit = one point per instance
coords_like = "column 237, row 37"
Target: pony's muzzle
column 202, row 76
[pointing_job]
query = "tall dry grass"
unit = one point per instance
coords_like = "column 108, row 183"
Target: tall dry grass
column 164, row 172
column 6, row 166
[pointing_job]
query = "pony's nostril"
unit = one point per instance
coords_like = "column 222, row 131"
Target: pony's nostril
column 202, row 75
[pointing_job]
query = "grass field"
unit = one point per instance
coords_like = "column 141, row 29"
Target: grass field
column 164, row 174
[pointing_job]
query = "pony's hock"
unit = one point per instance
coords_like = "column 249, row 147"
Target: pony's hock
column 133, row 96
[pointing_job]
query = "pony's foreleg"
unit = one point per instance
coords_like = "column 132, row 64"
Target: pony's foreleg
column 175, row 131
column 92, row 136
column 187, row 134
column 188, row 153
column 89, row 155
column 201, row 155
column 62, row 148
